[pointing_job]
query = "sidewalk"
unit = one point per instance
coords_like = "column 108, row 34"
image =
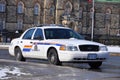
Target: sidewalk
column 114, row 50
column 4, row 45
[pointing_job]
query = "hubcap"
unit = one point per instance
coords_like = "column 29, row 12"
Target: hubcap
column 52, row 58
column 18, row 54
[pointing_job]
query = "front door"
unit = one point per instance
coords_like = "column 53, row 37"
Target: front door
column 26, row 43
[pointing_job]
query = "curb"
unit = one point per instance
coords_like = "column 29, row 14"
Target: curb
column 4, row 46
column 114, row 54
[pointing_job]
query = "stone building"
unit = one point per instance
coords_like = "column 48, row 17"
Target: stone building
column 18, row 15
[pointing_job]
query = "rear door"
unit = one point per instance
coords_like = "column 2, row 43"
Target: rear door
column 38, row 44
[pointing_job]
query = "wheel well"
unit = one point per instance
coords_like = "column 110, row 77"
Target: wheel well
column 51, row 48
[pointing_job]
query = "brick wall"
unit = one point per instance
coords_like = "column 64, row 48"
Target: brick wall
column 107, row 15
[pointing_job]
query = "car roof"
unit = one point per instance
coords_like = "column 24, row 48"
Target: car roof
column 45, row 26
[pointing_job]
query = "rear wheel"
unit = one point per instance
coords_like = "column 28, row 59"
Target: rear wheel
column 18, row 55
column 95, row 64
column 53, row 57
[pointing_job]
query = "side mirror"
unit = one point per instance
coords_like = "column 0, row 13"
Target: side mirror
column 38, row 38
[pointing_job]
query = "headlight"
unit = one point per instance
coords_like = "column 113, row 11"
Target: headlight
column 103, row 48
column 72, row 48
column 69, row 48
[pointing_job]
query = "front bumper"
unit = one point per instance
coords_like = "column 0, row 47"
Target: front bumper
column 70, row 56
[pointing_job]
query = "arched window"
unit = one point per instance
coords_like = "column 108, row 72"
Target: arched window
column 52, row 10
column 20, row 8
column 36, row 9
column 2, row 7
column 19, row 24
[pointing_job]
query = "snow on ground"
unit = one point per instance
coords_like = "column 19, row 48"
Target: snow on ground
column 114, row 49
column 7, row 72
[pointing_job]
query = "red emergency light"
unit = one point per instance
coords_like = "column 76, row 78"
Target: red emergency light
column 89, row 1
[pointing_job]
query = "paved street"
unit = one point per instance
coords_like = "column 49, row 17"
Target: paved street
column 41, row 70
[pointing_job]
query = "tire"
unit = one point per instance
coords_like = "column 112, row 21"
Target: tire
column 95, row 65
column 18, row 55
column 53, row 57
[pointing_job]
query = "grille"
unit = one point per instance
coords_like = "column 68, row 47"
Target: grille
column 89, row 48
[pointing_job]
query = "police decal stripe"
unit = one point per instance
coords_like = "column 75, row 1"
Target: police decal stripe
column 50, row 44
column 27, row 48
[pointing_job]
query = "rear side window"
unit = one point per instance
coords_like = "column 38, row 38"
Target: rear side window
column 28, row 34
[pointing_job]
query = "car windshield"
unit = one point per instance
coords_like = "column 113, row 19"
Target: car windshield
column 57, row 33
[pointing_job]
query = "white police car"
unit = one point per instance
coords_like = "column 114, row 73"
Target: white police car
column 57, row 44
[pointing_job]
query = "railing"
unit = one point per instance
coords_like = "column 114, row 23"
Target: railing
column 108, row 41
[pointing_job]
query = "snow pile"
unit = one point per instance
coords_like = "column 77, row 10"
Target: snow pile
column 114, row 49
column 7, row 72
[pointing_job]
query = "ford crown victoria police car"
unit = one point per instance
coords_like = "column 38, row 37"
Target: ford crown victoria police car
column 57, row 44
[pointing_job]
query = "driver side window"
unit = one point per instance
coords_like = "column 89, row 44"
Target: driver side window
column 28, row 34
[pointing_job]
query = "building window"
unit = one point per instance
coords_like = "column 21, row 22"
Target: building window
column 52, row 10
column 36, row 9
column 2, row 24
column 20, row 8
column 68, row 7
column 2, row 7
column 80, row 12
column 19, row 24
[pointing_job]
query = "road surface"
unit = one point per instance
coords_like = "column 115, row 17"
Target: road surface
column 41, row 70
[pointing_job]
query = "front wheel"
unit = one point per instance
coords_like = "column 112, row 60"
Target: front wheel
column 95, row 64
column 53, row 57
column 18, row 55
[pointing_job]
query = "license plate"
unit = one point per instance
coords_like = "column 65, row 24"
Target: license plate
column 92, row 56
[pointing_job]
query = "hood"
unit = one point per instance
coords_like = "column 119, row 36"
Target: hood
column 73, row 42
